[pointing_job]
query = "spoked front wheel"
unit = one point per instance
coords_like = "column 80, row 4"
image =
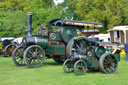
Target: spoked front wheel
column 68, row 66
column 17, row 56
column 34, row 56
column 80, row 67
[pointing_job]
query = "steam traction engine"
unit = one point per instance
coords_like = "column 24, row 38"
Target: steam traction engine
column 84, row 54
column 6, row 47
column 64, row 44
column 46, row 43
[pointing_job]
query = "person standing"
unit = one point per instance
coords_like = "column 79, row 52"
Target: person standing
column 126, row 50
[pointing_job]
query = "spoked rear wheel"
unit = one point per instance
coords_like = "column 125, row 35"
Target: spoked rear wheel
column 80, row 67
column 108, row 63
column 17, row 56
column 68, row 66
column 34, row 56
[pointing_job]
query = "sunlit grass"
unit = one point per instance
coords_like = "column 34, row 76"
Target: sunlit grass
column 52, row 74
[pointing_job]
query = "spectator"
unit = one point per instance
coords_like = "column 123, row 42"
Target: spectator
column 126, row 50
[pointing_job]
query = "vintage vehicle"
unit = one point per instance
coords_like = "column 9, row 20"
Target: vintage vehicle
column 87, row 54
column 6, row 46
column 119, row 34
column 18, row 40
column 84, row 53
column 48, row 43
column 101, row 37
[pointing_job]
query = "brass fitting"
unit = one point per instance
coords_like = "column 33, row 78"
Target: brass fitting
column 29, row 13
column 75, row 38
column 78, row 33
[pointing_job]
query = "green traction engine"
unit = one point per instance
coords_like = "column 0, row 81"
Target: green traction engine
column 46, row 44
column 85, row 54
column 64, row 43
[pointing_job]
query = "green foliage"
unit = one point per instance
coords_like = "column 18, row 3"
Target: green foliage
column 43, row 12
column 108, row 12
column 13, row 13
column 12, row 24
column 13, row 4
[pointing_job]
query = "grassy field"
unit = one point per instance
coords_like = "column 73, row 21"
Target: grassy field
column 52, row 74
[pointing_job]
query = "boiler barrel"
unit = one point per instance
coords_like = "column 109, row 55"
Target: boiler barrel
column 79, row 57
column 42, row 42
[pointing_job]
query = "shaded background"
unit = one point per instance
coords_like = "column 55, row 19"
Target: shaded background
column 13, row 13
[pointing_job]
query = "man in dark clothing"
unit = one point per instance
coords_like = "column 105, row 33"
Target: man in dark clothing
column 126, row 50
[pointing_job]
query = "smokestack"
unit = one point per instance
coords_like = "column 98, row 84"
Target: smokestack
column 29, row 23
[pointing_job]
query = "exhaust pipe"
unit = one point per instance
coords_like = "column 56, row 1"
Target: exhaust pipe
column 29, row 23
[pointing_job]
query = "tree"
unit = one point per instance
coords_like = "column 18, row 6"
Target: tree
column 13, row 24
column 13, row 15
column 108, row 12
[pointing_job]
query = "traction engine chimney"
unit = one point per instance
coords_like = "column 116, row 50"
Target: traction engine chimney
column 29, row 23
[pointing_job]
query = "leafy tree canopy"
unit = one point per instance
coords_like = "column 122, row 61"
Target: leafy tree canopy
column 13, row 13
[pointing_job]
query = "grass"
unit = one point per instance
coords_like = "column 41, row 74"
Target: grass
column 52, row 74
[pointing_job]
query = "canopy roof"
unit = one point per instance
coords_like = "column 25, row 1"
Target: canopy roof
column 119, row 28
column 62, row 22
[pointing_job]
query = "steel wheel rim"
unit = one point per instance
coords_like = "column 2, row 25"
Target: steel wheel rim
column 18, row 56
column 34, row 57
column 80, row 67
column 68, row 66
column 110, row 64
column 10, row 49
